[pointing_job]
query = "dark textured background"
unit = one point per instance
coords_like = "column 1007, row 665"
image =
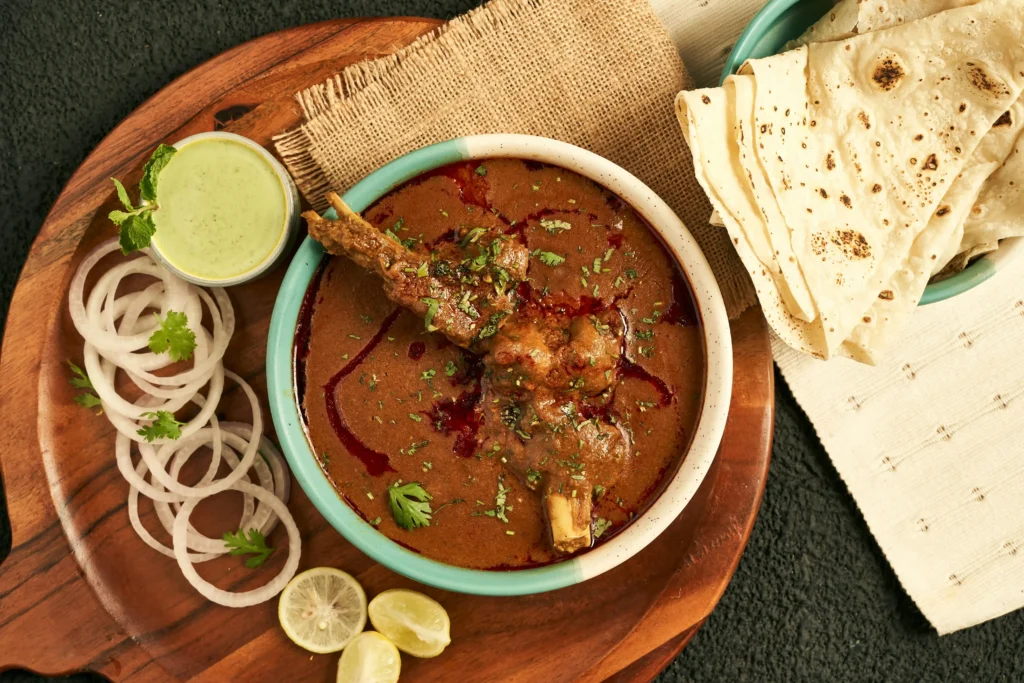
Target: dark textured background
column 813, row 598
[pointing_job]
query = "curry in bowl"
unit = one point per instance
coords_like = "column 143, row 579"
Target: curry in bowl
column 501, row 366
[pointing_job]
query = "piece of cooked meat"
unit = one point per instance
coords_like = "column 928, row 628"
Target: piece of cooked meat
column 574, row 356
column 546, row 374
column 464, row 290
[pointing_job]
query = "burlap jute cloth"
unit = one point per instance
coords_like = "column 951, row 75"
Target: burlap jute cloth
column 600, row 74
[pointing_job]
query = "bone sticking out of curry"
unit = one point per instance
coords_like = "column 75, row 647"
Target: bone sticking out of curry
column 509, row 339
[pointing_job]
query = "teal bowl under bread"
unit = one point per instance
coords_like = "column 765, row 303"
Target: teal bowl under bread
column 679, row 488
column 780, row 21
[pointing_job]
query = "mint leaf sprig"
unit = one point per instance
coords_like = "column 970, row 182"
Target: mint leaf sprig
column 135, row 223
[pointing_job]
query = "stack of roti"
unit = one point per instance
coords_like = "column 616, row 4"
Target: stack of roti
column 884, row 148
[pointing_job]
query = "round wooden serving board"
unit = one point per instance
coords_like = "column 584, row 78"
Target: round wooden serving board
column 80, row 591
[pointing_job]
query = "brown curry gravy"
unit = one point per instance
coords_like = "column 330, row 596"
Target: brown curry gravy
column 384, row 400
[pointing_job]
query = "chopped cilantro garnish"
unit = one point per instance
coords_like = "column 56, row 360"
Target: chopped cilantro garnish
column 450, row 369
column 646, row 351
column 173, row 337
column 555, row 227
column 472, row 236
column 164, row 426
column 409, row 504
column 549, row 258
column 631, row 274
column 644, row 334
column 428, row 375
column 481, row 170
column 601, row 526
column 255, row 544
column 428, row 318
column 415, row 418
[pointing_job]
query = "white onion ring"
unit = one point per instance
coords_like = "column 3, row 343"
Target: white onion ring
column 116, row 338
column 247, row 598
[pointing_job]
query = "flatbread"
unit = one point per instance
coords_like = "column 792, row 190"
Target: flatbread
column 850, row 17
column 999, row 210
column 879, row 126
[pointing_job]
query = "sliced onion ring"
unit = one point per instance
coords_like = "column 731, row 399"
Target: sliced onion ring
column 247, row 598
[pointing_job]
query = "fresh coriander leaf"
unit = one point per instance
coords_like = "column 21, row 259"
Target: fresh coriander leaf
column 646, row 351
column 156, row 163
column 600, row 526
column 428, row 375
column 410, row 505
column 597, row 265
column 136, row 232
column 631, row 274
column 554, row 227
column 81, row 380
column 164, row 426
column 450, row 368
column 255, row 544
column 428, row 319
column 122, row 194
column 375, row 522
column 423, row 270
column 89, row 401
column 551, row 259
column 598, row 491
column 174, row 337
column 481, row 170
column 644, row 334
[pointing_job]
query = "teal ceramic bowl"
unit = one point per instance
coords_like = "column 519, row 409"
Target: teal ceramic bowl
column 780, row 21
column 680, row 487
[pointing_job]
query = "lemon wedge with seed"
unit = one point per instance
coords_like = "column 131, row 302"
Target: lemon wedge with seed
column 322, row 609
column 369, row 658
column 415, row 623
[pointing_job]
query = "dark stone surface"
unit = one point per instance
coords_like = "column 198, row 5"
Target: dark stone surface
column 813, row 600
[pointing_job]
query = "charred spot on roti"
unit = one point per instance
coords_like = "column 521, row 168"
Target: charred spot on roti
column 888, row 73
column 1005, row 120
column 913, row 161
column 864, row 119
column 818, row 244
column 705, row 99
column 876, row 188
column 830, row 162
column 943, row 210
column 931, row 163
column 852, row 243
column 823, row 193
column 886, row 295
column 846, row 201
column 986, row 82
column 918, row 137
column 963, row 107
column 866, row 318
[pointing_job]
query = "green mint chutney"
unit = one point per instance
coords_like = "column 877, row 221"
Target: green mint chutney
column 221, row 209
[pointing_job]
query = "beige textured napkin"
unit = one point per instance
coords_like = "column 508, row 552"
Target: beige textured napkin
column 928, row 442
column 601, row 74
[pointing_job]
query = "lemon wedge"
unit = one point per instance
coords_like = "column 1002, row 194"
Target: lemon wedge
column 369, row 658
column 322, row 609
column 415, row 623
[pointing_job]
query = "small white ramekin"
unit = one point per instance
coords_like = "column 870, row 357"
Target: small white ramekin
column 289, row 231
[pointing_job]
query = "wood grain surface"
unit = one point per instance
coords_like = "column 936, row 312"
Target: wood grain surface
column 80, row 591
